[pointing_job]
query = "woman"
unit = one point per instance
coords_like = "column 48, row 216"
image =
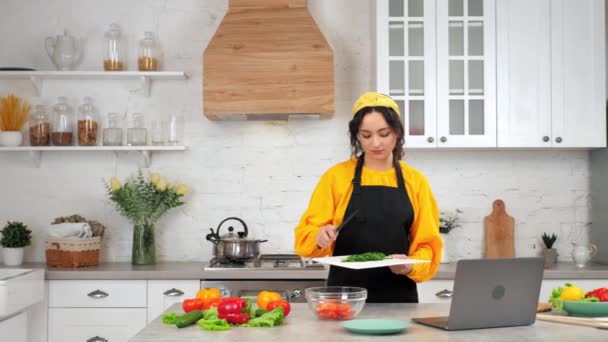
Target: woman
column 396, row 212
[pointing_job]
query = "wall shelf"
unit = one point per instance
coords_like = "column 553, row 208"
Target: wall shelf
column 146, row 151
column 144, row 77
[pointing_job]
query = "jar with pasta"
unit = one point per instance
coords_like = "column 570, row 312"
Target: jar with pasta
column 88, row 126
column 149, row 53
column 40, row 128
column 63, row 123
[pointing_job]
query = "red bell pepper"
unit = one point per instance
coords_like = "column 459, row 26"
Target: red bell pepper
column 233, row 310
column 601, row 294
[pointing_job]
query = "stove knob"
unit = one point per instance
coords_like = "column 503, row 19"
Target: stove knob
column 296, row 293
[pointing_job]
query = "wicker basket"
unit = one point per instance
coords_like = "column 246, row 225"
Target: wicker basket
column 73, row 252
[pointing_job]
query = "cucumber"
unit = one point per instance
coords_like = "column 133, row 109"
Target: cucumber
column 188, row 318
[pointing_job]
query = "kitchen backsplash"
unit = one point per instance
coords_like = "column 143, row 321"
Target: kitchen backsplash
column 262, row 172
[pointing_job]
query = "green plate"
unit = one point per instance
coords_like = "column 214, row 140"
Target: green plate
column 375, row 326
column 586, row 309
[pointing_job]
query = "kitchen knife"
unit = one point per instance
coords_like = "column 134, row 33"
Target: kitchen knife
column 346, row 221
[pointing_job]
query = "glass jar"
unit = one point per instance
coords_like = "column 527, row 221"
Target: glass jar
column 137, row 133
column 149, row 53
column 113, row 59
column 87, row 123
column 40, row 128
column 112, row 136
column 63, row 123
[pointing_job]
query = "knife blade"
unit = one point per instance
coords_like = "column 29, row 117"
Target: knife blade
column 346, row 221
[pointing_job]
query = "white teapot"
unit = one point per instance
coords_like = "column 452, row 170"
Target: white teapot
column 581, row 254
column 65, row 51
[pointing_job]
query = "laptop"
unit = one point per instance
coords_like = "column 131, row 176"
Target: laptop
column 492, row 293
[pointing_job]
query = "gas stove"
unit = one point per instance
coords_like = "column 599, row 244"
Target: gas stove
column 265, row 262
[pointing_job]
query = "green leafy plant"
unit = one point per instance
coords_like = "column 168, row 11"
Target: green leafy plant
column 15, row 235
column 549, row 240
column 449, row 220
column 144, row 201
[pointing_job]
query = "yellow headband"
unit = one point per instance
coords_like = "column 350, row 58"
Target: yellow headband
column 373, row 99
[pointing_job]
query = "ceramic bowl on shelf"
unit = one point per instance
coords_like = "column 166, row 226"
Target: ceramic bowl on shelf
column 11, row 138
column 336, row 302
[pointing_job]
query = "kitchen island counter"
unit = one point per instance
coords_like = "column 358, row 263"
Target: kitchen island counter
column 302, row 325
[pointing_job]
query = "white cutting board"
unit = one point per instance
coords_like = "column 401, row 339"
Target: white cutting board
column 359, row 265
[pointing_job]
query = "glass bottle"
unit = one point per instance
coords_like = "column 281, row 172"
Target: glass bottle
column 113, row 59
column 63, row 123
column 137, row 134
column 87, row 123
column 112, row 136
column 40, row 128
column 149, row 53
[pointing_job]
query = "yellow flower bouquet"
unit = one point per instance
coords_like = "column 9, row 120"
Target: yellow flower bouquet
column 143, row 201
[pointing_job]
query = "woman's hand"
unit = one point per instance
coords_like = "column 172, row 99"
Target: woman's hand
column 326, row 236
column 400, row 269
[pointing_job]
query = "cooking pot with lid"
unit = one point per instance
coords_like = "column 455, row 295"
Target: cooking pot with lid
column 234, row 246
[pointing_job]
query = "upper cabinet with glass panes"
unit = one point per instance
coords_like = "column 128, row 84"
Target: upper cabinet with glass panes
column 436, row 59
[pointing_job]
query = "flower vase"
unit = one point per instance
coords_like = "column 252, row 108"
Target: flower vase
column 444, row 251
column 144, row 249
column 13, row 256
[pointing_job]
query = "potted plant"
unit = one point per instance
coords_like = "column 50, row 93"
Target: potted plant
column 448, row 220
column 15, row 236
column 14, row 113
column 549, row 252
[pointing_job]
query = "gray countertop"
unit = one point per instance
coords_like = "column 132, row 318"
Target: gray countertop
column 194, row 270
column 302, row 325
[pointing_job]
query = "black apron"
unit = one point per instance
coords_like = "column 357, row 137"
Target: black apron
column 382, row 225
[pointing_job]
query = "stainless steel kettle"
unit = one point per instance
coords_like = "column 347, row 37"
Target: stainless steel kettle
column 234, row 246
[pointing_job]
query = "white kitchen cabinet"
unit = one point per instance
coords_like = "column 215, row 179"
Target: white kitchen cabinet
column 550, row 73
column 437, row 60
column 164, row 293
column 435, row 291
column 14, row 329
column 96, row 310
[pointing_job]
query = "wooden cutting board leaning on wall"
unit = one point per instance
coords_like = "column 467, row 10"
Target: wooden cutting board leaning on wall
column 498, row 231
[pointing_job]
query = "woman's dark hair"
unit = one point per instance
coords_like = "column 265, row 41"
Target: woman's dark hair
column 393, row 120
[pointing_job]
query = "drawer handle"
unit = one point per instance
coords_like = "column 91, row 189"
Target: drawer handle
column 97, row 294
column 296, row 293
column 444, row 294
column 97, row 339
column 173, row 293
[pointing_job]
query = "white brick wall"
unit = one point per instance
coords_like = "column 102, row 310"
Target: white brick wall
column 263, row 172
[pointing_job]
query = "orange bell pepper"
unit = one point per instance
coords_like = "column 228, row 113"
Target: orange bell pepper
column 265, row 297
column 210, row 296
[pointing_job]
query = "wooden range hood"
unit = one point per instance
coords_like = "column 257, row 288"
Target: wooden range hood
column 268, row 59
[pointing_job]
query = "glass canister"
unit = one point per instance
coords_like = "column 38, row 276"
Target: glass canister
column 149, row 53
column 137, row 133
column 112, row 136
column 63, row 123
column 113, row 59
column 40, row 128
column 87, row 123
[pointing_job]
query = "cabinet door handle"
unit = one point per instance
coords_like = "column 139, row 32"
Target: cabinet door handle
column 97, row 339
column 443, row 139
column 444, row 294
column 558, row 140
column 296, row 293
column 173, row 292
column 430, row 139
column 97, row 294
column 546, row 138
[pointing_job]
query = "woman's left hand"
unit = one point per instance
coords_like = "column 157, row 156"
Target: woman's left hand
column 400, row 269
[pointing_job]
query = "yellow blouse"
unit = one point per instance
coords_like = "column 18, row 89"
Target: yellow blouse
column 332, row 194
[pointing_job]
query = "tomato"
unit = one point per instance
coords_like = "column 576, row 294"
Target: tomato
column 266, row 297
column 334, row 310
column 211, row 297
column 285, row 304
column 192, row 304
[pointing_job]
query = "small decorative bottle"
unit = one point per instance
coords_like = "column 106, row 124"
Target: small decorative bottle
column 149, row 53
column 40, row 128
column 137, row 134
column 112, row 136
column 63, row 123
column 113, row 59
column 87, row 123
